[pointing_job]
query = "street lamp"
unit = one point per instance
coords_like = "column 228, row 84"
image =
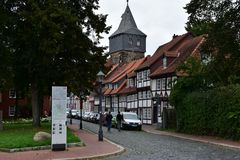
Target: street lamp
column 71, row 106
column 100, row 77
column 81, row 107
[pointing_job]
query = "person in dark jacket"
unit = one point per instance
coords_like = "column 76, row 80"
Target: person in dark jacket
column 109, row 121
column 119, row 120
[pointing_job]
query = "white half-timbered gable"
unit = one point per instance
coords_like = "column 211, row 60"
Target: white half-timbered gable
column 165, row 75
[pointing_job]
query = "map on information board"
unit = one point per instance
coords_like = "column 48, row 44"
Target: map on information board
column 59, row 93
column 59, row 109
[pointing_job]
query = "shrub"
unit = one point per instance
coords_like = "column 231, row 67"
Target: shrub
column 213, row 112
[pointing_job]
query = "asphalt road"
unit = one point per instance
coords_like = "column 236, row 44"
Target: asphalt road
column 141, row 145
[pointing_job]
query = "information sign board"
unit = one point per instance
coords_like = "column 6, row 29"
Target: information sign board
column 59, row 108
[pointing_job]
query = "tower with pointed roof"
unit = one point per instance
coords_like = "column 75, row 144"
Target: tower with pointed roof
column 127, row 43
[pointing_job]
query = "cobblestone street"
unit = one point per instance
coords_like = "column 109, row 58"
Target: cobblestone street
column 142, row 145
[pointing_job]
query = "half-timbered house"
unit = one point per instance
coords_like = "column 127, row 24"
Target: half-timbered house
column 161, row 70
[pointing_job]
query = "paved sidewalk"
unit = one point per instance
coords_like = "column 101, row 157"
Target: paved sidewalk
column 93, row 149
column 204, row 139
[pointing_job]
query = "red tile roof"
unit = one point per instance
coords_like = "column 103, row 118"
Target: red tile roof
column 168, row 48
column 116, row 91
column 108, row 91
column 187, row 47
column 122, row 70
column 131, row 75
column 128, row 90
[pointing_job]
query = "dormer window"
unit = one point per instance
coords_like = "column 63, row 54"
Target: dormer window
column 115, row 86
column 165, row 62
column 131, row 82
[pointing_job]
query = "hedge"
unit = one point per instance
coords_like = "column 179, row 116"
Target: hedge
column 214, row 112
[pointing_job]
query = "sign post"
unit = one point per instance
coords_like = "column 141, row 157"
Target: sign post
column 59, row 119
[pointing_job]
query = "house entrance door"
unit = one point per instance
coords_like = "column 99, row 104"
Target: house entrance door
column 155, row 113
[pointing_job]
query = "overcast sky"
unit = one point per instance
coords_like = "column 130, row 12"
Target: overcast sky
column 158, row 19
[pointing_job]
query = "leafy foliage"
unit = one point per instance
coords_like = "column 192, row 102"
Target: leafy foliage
column 49, row 42
column 221, row 21
column 192, row 79
column 214, row 112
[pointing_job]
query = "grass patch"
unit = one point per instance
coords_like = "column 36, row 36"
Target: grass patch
column 19, row 135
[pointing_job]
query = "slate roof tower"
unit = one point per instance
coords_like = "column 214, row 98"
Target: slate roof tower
column 127, row 43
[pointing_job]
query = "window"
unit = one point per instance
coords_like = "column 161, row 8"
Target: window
column 163, row 83
column 145, row 75
column 140, row 95
column 159, row 84
column 148, row 73
column 12, row 93
column 144, row 95
column 138, row 43
column 169, row 83
column 165, row 62
column 147, row 113
column 122, row 99
column 130, row 98
column 11, row 111
column 107, row 101
column 135, row 97
column 149, row 94
column 130, row 41
column 140, row 75
column 110, row 86
column 131, row 82
column 115, row 86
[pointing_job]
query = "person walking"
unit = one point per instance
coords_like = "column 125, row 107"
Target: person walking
column 109, row 121
column 119, row 120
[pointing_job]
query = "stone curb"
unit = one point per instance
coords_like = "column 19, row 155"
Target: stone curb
column 121, row 150
column 79, row 144
column 195, row 139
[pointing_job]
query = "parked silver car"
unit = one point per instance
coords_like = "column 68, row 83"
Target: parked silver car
column 131, row 120
column 72, row 113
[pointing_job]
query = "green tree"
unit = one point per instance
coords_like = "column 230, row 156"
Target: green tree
column 193, row 79
column 50, row 42
column 221, row 21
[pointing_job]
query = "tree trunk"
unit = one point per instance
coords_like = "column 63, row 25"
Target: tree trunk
column 35, row 105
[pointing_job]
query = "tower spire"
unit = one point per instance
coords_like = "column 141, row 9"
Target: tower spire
column 127, row 2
